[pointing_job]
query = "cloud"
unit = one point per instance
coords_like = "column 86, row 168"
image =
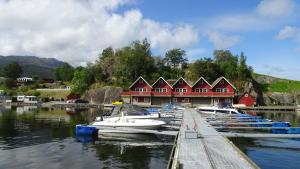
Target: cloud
column 266, row 15
column 288, row 32
column 275, row 8
column 76, row 31
column 221, row 41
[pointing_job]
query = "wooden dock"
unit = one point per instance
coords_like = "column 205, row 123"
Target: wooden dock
column 200, row 146
column 270, row 108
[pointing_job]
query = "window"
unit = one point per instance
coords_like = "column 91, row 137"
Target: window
column 146, row 99
column 201, row 82
column 141, row 81
column 180, row 81
column 174, row 100
column 160, row 90
column 221, row 90
column 201, row 90
column 161, row 82
column 182, row 90
column 140, row 89
column 186, row 100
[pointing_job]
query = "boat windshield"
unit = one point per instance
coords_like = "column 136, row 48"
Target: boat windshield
column 131, row 110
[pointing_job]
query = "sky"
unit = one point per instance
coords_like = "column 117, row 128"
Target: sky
column 76, row 31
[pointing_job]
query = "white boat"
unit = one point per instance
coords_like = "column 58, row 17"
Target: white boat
column 125, row 122
column 140, row 113
column 217, row 110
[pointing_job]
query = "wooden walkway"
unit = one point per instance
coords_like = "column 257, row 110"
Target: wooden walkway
column 200, row 146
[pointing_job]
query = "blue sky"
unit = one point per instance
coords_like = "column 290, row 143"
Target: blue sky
column 76, row 31
column 265, row 53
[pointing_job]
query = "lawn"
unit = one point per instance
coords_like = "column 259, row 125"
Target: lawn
column 57, row 94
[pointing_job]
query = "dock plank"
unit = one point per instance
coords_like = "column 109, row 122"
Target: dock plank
column 211, row 150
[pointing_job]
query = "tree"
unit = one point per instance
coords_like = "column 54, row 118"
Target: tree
column 106, row 63
column 81, row 81
column 9, row 83
column 203, row 68
column 175, row 57
column 64, row 72
column 133, row 61
column 12, row 70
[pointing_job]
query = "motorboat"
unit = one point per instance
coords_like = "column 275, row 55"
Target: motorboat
column 125, row 122
column 217, row 110
column 136, row 112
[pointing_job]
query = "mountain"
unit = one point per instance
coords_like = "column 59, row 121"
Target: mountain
column 33, row 66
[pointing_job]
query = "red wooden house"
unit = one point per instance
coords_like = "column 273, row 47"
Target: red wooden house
column 246, row 99
column 161, row 92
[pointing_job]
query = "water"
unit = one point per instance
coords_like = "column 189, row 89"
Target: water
column 41, row 138
column 273, row 153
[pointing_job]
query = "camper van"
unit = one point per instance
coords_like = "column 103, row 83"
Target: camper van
column 27, row 99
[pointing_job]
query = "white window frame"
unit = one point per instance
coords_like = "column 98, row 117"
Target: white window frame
column 164, row 90
column 181, row 90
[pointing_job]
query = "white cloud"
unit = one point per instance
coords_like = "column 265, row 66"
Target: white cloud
column 287, row 32
column 275, row 8
column 266, row 15
column 221, row 41
column 76, row 31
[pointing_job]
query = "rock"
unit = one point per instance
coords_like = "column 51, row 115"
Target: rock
column 282, row 98
column 104, row 95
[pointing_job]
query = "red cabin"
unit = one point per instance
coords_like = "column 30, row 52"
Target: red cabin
column 140, row 92
column 161, row 92
column 181, row 91
column 247, row 100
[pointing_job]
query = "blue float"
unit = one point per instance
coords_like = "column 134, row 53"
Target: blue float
column 85, row 130
column 279, row 131
column 293, row 131
column 281, row 124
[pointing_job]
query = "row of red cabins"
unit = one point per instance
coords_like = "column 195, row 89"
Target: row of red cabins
column 162, row 92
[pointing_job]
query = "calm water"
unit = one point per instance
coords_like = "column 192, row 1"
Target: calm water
column 40, row 138
column 273, row 153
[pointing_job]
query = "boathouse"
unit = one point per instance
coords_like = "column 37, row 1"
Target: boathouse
column 161, row 92
column 246, row 99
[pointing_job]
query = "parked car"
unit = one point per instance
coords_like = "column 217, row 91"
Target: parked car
column 80, row 101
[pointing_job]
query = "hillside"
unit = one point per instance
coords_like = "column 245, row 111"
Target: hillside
column 32, row 65
column 273, row 84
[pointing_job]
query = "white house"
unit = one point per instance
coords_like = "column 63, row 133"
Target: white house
column 24, row 79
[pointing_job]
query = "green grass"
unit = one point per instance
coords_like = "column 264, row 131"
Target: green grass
column 56, row 94
column 288, row 86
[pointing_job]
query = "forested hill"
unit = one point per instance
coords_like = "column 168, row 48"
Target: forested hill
column 33, row 66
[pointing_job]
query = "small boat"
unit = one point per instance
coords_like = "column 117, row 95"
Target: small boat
column 218, row 110
column 125, row 122
column 136, row 112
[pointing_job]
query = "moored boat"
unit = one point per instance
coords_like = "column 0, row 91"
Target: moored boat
column 125, row 122
column 217, row 110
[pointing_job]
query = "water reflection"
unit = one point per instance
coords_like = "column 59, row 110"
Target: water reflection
column 32, row 137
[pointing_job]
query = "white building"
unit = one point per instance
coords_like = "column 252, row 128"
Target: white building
column 24, row 79
column 27, row 99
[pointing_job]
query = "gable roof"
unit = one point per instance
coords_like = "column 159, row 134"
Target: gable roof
column 163, row 80
column 183, row 80
column 199, row 80
column 137, row 81
column 219, row 79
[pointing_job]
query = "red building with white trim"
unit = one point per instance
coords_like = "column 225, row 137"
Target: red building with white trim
column 161, row 92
